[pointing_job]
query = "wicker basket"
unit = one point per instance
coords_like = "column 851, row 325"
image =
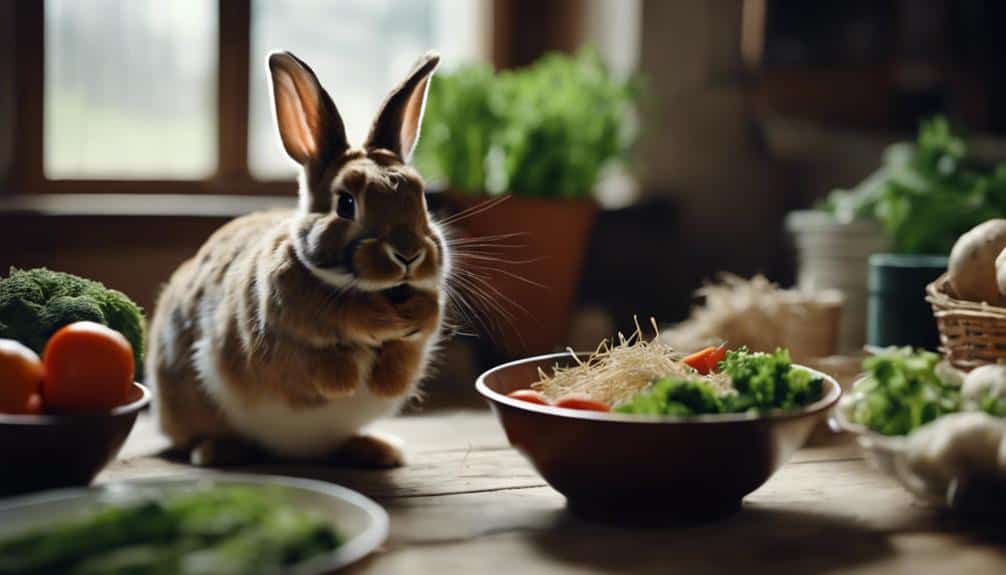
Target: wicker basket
column 971, row 333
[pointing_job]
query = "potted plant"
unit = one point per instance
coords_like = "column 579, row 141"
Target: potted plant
column 923, row 197
column 541, row 137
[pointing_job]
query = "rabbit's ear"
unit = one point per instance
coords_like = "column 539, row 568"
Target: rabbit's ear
column 397, row 125
column 308, row 121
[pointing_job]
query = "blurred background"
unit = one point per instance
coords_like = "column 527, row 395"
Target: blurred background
column 666, row 142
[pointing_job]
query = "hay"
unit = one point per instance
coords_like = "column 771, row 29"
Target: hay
column 616, row 372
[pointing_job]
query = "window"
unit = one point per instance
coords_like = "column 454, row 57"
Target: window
column 130, row 89
column 155, row 96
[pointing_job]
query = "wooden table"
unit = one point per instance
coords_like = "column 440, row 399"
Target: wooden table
column 467, row 503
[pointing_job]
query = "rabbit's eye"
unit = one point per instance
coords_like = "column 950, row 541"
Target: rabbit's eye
column 345, row 206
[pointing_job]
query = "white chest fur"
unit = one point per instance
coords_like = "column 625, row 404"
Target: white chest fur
column 287, row 431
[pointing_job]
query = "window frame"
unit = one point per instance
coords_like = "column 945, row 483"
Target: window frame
column 231, row 175
column 519, row 30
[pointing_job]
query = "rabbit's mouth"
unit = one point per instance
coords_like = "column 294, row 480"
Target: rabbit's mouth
column 399, row 293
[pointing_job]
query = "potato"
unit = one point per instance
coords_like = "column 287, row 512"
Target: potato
column 1001, row 272
column 972, row 267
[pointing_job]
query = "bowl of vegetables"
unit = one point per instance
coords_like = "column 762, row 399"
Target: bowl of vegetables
column 633, row 432
column 65, row 415
column 939, row 432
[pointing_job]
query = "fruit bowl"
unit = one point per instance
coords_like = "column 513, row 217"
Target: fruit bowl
column 645, row 469
column 46, row 451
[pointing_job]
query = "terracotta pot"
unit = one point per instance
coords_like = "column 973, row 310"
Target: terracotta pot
column 549, row 252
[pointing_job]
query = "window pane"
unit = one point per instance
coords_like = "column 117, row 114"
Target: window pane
column 130, row 89
column 360, row 49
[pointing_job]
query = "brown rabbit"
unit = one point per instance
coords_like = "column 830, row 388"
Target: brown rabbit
column 290, row 331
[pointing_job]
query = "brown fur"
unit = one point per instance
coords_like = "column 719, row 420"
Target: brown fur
column 275, row 329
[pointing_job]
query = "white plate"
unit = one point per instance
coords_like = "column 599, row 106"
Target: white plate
column 363, row 523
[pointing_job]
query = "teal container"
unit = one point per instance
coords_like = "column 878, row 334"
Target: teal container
column 897, row 312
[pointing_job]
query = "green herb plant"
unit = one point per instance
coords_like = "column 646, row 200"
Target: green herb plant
column 927, row 193
column 547, row 130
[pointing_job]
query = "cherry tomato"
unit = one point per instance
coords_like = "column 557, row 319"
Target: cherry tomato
column 20, row 375
column 530, row 396
column 88, row 367
column 576, row 401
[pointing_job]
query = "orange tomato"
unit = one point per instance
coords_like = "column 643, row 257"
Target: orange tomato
column 530, row 396
column 88, row 367
column 20, row 375
column 576, row 401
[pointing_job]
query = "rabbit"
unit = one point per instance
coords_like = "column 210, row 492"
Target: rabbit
column 290, row 331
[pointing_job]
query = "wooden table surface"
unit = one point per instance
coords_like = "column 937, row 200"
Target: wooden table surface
column 468, row 503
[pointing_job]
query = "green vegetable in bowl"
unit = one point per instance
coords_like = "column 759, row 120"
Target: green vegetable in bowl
column 752, row 382
column 901, row 392
column 35, row 303
column 670, row 396
column 768, row 381
column 218, row 531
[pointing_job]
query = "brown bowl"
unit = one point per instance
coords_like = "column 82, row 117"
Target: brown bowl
column 622, row 467
column 46, row 451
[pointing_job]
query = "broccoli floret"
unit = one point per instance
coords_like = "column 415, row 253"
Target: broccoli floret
column 768, row 381
column 35, row 303
column 674, row 397
column 901, row 392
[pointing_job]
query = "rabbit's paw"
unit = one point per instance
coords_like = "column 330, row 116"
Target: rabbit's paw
column 395, row 369
column 224, row 452
column 372, row 450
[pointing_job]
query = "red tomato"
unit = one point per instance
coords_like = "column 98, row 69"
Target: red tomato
column 20, row 375
column 88, row 367
column 575, row 401
column 530, row 396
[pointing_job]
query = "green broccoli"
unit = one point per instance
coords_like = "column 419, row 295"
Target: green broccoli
column 902, row 391
column 669, row 396
column 35, row 303
column 768, row 381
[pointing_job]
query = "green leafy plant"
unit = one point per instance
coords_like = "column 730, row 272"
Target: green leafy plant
column 545, row 130
column 927, row 193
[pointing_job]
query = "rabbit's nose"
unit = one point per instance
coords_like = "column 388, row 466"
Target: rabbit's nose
column 407, row 259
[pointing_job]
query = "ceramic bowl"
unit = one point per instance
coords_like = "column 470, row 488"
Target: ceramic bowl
column 622, row 467
column 46, row 451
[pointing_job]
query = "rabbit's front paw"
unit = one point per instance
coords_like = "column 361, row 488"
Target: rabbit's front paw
column 418, row 313
column 371, row 450
column 224, row 452
column 396, row 367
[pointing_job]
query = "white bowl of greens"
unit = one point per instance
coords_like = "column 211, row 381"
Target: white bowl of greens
column 931, row 428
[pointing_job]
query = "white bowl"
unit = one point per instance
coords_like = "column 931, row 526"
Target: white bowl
column 889, row 455
column 362, row 522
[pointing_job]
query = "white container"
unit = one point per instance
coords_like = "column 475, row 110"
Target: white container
column 835, row 255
